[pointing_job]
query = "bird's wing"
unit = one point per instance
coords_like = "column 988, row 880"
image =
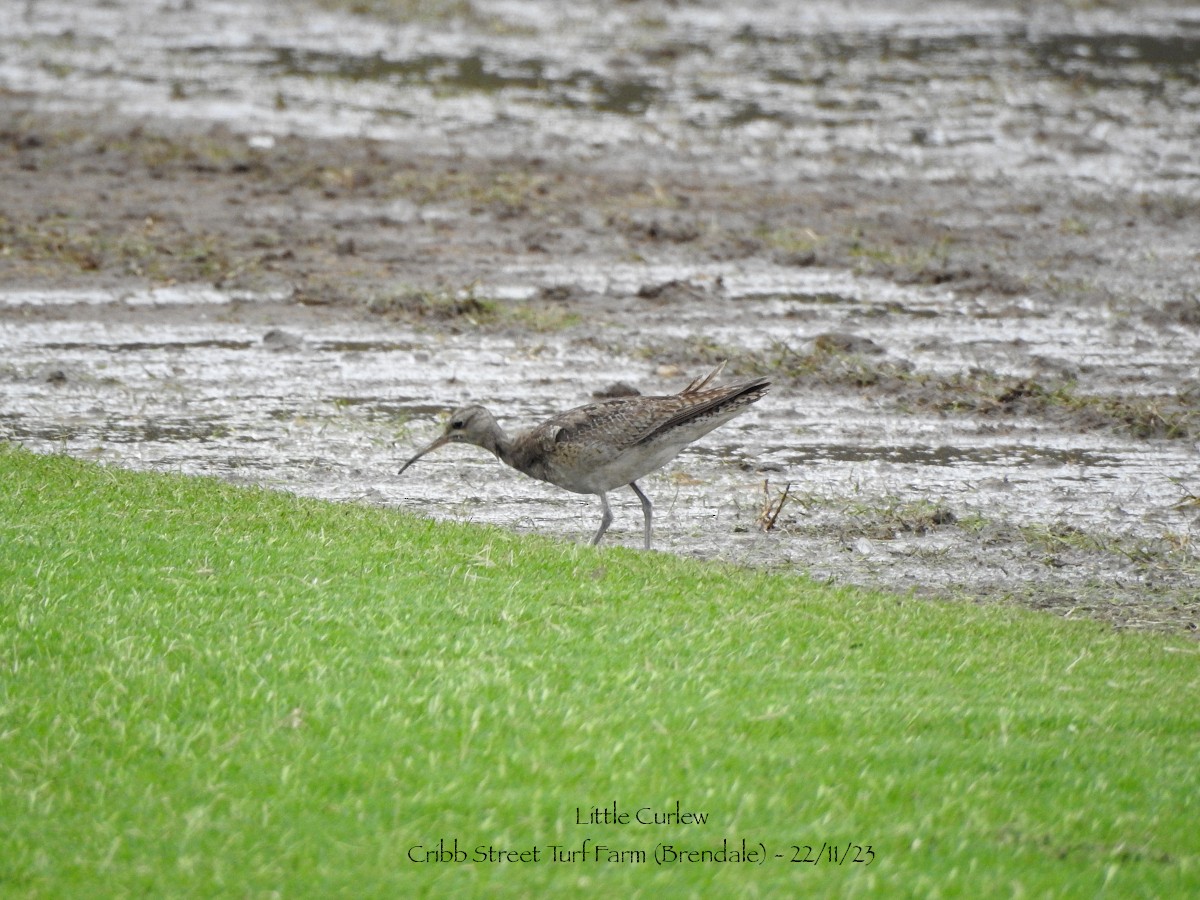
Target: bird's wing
column 692, row 406
column 611, row 426
column 615, row 423
column 703, row 381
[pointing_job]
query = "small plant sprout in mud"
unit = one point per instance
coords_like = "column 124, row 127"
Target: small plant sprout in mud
column 772, row 506
column 1189, row 498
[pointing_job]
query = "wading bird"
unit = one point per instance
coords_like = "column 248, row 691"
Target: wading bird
column 595, row 448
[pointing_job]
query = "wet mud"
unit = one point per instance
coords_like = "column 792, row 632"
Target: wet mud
column 275, row 246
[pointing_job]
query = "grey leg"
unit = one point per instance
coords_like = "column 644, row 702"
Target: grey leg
column 605, row 520
column 645, row 509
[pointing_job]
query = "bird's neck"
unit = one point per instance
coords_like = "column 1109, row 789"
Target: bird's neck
column 497, row 442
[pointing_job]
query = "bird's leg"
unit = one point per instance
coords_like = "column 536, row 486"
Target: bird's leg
column 645, row 508
column 605, row 520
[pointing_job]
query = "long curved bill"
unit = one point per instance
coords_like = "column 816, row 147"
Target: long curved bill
column 437, row 443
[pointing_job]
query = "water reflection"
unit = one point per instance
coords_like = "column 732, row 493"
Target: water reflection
column 477, row 72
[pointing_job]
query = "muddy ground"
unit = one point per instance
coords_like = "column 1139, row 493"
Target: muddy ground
column 962, row 241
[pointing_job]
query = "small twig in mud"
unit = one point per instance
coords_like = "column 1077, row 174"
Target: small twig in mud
column 1188, row 500
column 773, row 506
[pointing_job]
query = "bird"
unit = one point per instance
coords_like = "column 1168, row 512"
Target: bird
column 601, row 446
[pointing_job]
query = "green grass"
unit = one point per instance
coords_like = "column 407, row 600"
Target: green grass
column 213, row 691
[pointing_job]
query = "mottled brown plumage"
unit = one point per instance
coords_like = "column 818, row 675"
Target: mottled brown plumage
column 595, row 448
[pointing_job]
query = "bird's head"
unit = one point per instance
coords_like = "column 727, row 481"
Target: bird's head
column 468, row 425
